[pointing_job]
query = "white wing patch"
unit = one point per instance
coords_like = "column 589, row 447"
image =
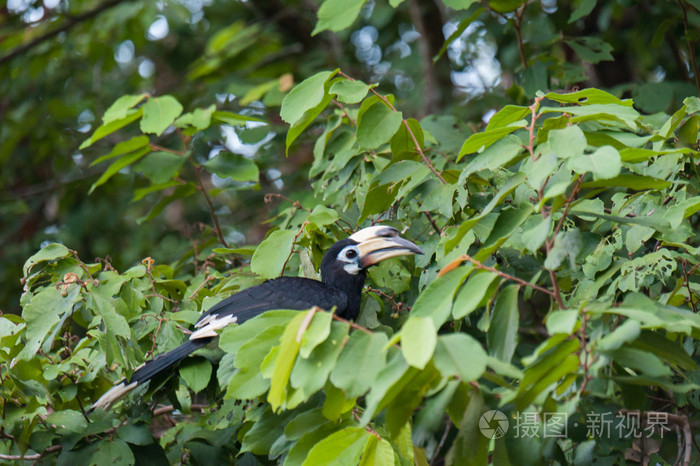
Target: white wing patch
column 113, row 394
column 208, row 326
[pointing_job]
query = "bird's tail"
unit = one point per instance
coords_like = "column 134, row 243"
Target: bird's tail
column 149, row 370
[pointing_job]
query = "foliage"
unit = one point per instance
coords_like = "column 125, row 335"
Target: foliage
column 559, row 285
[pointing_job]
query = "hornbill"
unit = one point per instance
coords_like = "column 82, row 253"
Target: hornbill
column 343, row 272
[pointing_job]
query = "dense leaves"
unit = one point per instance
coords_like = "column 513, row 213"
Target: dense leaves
column 559, row 286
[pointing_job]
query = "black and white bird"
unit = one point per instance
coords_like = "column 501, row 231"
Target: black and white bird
column 343, row 273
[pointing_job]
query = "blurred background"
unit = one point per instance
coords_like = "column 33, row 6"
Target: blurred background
column 64, row 62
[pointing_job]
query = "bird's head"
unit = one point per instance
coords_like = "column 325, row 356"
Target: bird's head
column 367, row 247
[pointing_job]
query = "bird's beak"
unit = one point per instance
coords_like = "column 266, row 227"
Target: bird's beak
column 379, row 243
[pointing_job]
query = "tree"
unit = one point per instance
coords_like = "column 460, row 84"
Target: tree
column 558, row 294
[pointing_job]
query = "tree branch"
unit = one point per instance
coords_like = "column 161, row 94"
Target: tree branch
column 408, row 128
column 214, row 218
column 69, row 24
column 691, row 49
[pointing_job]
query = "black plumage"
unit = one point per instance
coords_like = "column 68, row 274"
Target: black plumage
column 343, row 273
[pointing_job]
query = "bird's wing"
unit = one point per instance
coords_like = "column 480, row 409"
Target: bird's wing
column 280, row 293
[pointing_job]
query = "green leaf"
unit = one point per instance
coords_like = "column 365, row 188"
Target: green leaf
column 461, row 355
column 568, row 142
column 339, row 449
column 604, row 163
column 114, row 451
column 233, row 119
column 160, row 167
column 50, row 252
column 484, row 140
column 319, row 329
column 534, row 237
column 122, row 162
column 467, row 225
column 200, row 118
column 583, row 9
column 472, row 293
column 562, row 322
column 124, row 147
column 363, row 350
column 459, row 4
column 591, row 49
column 159, row 113
column 67, row 421
column 303, row 121
column 418, row 341
column 196, row 372
column 309, row 375
column 270, row 256
column 495, row 156
column 636, row 182
column 643, row 361
column 304, row 96
column 120, row 108
column 502, row 335
column 336, row 15
column 588, row 97
column 402, row 142
column 377, row 452
column 288, row 349
column 234, row 166
column 108, row 128
column 435, row 301
column 348, row 91
column 506, row 116
column 626, row 332
column 377, row 125
column 322, row 215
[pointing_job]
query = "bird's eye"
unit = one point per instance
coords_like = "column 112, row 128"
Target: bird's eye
column 351, row 253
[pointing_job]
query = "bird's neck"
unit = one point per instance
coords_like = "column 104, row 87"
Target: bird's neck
column 351, row 286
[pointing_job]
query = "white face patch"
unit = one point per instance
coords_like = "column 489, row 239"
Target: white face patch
column 351, row 256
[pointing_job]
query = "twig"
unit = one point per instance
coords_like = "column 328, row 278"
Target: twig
column 691, row 49
column 345, row 112
column 201, row 285
column 436, row 455
column 586, row 353
column 432, row 222
column 531, row 129
column 686, row 281
column 408, row 128
column 72, row 21
column 479, row 265
column 352, row 324
column 577, row 187
column 294, row 242
column 519, row 36
column 167, row 149
column 170, row 408
column 217, row 227
column 38, row 456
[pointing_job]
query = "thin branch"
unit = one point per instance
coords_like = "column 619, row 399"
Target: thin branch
column 432, row 222
column 217, row 227
column 69, row 24
column 436, row 455
column 691, row 49
column 167, row 149
column 531, row 129
column 345, row 112
column 479, row 265
column 38, row 456
column 352, row 324
column 294, row 242
column 519, row 35
column 408, row 128
column 568, row 205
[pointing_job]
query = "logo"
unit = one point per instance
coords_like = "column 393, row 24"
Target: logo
column 493, row 424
